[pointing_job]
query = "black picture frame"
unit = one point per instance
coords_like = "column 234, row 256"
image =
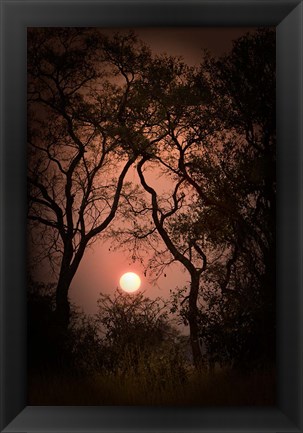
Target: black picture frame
column 16, row 16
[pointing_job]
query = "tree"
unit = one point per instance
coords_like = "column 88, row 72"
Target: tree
column 218, row 148
column 242, row 85
column 82, row 352
column 235, row 180
column 106, row 104
column 79, row 148
column 178, row 102
column 136, row 331
column 171, row 98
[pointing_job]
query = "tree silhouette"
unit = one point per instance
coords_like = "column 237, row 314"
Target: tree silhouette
column 98, row 105
column 171, row 97
column 132, row 320
column 79, row 147
column 138, row 335
column 242, row 87
column 233, row 174
column 218, row 149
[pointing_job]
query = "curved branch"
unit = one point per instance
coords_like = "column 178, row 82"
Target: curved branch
column 159, row 222
column 115, row 202
column 202, row 254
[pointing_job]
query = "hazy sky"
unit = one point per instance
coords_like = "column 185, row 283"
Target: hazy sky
column 101, row 269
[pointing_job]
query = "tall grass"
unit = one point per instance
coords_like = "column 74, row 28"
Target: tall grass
column 143, row 386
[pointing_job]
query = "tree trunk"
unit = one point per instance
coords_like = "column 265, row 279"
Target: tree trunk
column 62, row 301
column 60, row 335
column 69, row 266
column 193, row 321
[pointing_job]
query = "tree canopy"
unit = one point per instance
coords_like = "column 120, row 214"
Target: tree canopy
column 99, row 105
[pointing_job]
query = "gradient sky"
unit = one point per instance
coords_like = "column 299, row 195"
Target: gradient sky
column 101, row 268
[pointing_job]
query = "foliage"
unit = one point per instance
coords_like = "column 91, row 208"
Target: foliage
column 99, row 105
column 138, row 335
column 81, row 142
column 222, row 389
column 78, row 351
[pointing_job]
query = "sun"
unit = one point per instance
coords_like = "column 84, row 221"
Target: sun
column 130, row 282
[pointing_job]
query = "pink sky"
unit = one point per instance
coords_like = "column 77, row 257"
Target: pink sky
column 101, row 269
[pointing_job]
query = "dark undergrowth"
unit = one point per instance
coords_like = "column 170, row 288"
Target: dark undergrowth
column 223, row 388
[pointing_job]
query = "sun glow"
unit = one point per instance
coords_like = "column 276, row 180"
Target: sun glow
column 130, row 282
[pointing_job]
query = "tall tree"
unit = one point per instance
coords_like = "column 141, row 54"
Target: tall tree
column 97, row 105
column 242, row 85
column 170, row 98
column 79, row 148
column 218, row 146
column 234, row 175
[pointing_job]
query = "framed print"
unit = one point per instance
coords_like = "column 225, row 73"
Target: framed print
column 117, row 128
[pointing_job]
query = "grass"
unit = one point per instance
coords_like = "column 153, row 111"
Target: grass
column 223, row 388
